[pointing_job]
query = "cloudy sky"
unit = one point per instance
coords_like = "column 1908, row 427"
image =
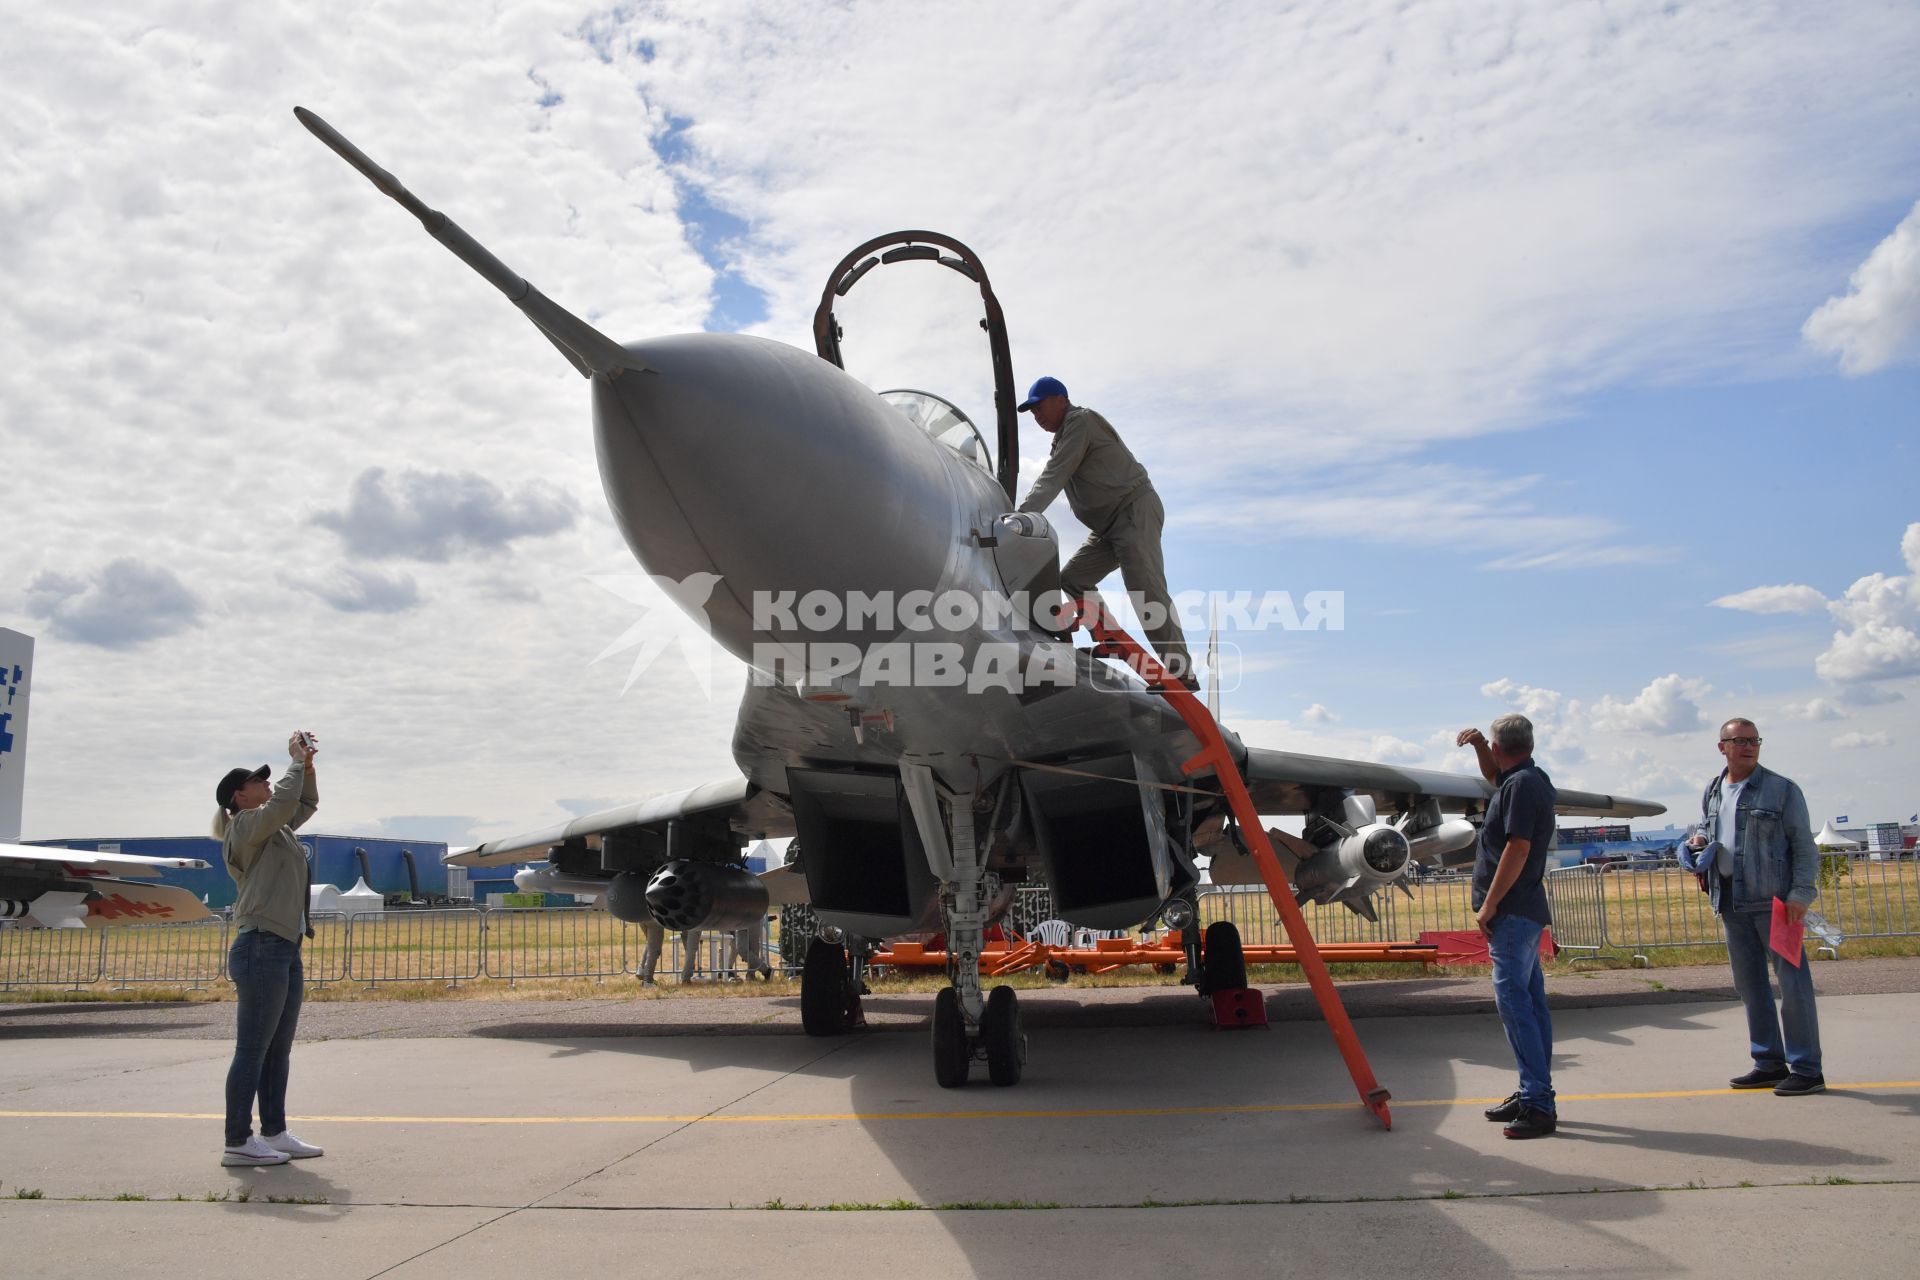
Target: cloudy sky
column 1576, row 344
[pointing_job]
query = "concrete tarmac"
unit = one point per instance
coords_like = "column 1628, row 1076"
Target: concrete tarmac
column 1141, row 1142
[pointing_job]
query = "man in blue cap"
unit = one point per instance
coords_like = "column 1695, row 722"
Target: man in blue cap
column 1110, row 493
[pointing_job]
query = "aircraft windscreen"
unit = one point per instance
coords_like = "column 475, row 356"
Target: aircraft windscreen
column 945, row 423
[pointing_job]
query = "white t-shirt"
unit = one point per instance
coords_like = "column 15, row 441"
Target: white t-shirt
column 1729, row 834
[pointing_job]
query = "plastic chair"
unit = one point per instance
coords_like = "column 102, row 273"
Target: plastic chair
column 1053, row 933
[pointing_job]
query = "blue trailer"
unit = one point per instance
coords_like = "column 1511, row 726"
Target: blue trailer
column 402, row 870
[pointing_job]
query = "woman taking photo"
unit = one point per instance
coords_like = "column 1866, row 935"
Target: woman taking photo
column 255, row 827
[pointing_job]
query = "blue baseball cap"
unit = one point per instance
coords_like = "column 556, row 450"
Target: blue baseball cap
column 1040, row 390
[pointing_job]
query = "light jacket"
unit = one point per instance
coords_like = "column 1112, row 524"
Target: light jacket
column 267, row 864
column 1099, row 473
column 1775, row 856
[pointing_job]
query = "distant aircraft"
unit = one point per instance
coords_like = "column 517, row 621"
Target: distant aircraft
column 918, row 804
column 49, row 888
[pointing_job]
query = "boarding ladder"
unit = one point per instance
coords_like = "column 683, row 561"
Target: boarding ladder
column 1111, row 642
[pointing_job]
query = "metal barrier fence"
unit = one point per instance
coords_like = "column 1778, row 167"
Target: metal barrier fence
column 53, row 958
column 441, row 945
column 1595, row 910
column 571, row 942
column 1439, row 902
column 190, row 955
column 1660, row 906
column 451, row 945
column 1873, row 899
column 1576, row 898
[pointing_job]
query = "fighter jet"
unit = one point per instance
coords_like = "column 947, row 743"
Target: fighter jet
column 917, row 717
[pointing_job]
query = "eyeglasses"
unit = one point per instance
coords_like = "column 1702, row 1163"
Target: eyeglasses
column 1739, row 742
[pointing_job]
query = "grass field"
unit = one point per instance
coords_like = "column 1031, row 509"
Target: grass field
column 1655, row 917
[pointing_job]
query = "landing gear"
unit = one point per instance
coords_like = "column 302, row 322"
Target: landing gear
column 1000, row 1040
column 952, row 1055
column 829, row 994
column 1224, row 963
column 1005, row 1042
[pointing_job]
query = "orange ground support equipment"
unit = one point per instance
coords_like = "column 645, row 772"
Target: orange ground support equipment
column 1112, row 642
column 1239, row 1008
column 997, row 959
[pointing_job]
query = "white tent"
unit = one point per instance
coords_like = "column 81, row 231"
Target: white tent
column 362, row 900
column 1829, row 838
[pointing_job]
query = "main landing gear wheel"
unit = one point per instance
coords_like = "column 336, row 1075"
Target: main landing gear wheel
column 1000, row 1031
column 827, row 994
column 952, row 1055
column 1222, row 959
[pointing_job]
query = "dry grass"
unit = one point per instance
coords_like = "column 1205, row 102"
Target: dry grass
column 561, row 954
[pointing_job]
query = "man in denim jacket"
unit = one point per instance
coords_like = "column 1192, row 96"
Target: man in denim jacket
column 1754, row 845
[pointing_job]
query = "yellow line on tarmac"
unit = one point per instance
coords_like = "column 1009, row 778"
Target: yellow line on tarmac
column 823, row 1117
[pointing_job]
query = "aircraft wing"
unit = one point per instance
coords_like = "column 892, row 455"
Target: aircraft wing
column 57, row 888
column 1284, row 782
column 38, row 861
column 736, row 802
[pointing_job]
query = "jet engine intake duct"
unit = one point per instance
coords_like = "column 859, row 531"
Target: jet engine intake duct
column 866, row 865
column 699, row 895
column 1106, row 851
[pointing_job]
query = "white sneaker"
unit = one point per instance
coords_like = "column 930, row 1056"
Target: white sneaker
column 253, row 1151
column 293, row 1147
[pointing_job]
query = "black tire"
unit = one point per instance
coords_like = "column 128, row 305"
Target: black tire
column 952, row 1055
column 1057, row 971
column 1223, row 962
column 1006, row 1043
column 823, row 990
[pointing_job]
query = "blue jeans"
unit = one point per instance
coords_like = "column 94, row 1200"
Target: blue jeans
column 269, row 982
column 1520, row 993
column 1748, row 935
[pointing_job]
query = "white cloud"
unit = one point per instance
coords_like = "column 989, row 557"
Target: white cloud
column 1317, row 715
column 1784, row 599
column 435, row 515
column 126, row 603
column 1669, row 704
column 1439, row 223
column 1883, row 614
column 1870, row 695
column 1538, row 705
column 1854, row 741
column 1815, row 709
column 356, row 589
column 1874, row 322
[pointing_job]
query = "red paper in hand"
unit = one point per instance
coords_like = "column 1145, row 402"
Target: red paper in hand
column 1787, row 935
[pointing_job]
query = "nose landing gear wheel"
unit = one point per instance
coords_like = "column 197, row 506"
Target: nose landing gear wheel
column 1222, row 959
column 1000, row 1031
column 827, row 995
column 952, row 1055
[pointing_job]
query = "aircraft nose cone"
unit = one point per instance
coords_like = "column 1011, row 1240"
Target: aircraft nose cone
column 773, row 469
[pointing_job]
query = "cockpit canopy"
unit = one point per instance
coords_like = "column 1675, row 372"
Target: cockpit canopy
column 943, row 420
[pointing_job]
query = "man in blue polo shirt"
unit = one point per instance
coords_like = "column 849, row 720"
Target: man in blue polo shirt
column 1511, row 899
